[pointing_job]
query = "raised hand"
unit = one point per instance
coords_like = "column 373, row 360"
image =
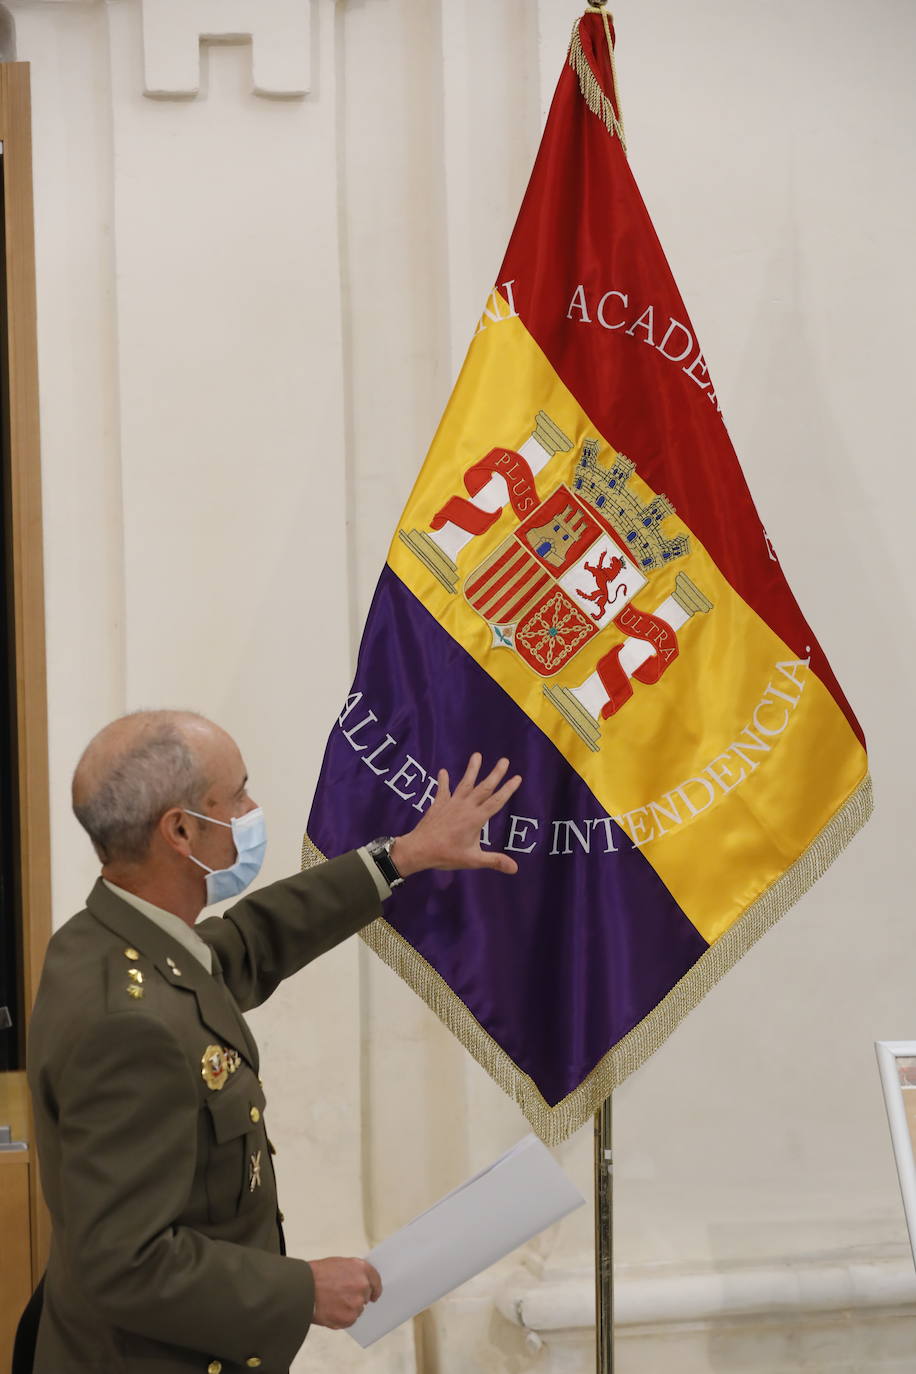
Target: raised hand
column 448, row 836
column 343, row 1288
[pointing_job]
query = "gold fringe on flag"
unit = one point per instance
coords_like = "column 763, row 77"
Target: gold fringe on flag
column 555, row 1124
column 595, row 98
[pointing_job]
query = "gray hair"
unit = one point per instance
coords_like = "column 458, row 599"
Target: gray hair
column 118, row 798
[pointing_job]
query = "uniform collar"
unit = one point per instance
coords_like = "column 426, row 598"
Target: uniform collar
column 216, row 1006
column 166, row 920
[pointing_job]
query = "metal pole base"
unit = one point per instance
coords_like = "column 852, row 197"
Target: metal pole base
column 604, row 1242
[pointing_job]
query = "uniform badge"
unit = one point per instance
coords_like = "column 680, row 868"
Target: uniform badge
column 217, row 1063
column 254, row 1172
column 213, row 1067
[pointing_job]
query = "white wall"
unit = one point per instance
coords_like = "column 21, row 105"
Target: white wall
column 250, row 314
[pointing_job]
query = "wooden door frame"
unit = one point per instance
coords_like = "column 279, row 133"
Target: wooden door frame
column 33, row 830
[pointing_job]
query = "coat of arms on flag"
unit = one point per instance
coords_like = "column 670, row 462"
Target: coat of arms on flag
column 574, row 565
column 580, row 581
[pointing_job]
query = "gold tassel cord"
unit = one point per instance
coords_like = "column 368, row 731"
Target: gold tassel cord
column 610, row 48
column 555, row 1124
column 591, row 88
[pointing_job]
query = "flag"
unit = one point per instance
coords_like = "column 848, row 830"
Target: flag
column 580, row 581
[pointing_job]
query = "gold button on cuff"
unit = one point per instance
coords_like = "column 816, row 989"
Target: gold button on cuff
column 131, row 953
column 135, row 975
column 134, row 991
column 215, row 1367
column 253, row 1363
column 255, row 1115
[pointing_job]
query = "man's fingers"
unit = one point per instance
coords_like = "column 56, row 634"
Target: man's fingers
column 375, row 1282
column 499, row 799
column 470, row 774
column 442, row 792
column 343, row 1289
column 498, row 863
column 493, row 779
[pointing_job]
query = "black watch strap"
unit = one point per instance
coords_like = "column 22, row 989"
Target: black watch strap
column 380, row 851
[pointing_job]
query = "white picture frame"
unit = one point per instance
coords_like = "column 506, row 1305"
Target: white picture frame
column 897, row 1066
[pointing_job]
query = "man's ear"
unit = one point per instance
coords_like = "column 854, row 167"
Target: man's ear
column 174, row 829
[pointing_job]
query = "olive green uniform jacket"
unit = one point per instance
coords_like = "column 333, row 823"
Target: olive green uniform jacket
column 167, row 1254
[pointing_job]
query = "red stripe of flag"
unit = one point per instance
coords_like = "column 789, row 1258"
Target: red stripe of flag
column 580, row 292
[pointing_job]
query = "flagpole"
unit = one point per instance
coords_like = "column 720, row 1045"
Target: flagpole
column 604, row 1156
column 604, row 1241
column 604, row 1153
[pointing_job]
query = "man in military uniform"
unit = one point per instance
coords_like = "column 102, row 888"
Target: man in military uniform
column 167, row 1251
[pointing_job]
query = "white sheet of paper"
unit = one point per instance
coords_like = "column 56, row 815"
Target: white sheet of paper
column 465, row 1232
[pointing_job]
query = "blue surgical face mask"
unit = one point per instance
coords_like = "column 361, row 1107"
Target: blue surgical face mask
column 250, row 835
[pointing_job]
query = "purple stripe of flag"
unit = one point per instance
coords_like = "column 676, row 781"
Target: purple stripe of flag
column 558, row 962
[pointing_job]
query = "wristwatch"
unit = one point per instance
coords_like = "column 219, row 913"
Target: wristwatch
column 380, row 852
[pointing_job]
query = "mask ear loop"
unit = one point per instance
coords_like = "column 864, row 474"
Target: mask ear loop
column 201, row 865
column 211, row 819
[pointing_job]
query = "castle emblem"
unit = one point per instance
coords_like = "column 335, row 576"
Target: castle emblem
column 570, row 571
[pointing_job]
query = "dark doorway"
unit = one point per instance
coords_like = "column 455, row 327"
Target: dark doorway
column 11, row 992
